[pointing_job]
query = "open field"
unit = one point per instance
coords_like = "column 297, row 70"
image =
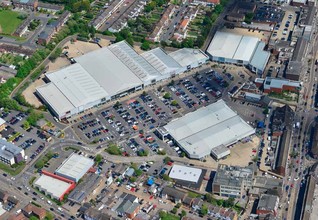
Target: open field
column 9, row 21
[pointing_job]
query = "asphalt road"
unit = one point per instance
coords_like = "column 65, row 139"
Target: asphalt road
column 169, row 31
column 305, row 113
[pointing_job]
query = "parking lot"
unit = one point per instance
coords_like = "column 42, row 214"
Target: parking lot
column 32, row 140
column 131, row 124
column 283, row 30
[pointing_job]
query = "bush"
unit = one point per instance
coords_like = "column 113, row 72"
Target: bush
column 113, row 150
column 174, row 211
column 165, row 177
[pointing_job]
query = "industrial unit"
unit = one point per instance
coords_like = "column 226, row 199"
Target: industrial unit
column 74, row 167
column 53, row 185
column 239, row 49
column 210, row 127
column 109, row 73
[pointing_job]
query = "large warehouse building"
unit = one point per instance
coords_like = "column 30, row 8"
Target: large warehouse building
column 53, row 185
column 240, row 50
column 74, row 167
column 111, row 72
column 212, row 127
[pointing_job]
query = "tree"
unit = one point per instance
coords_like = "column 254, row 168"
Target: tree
column 57, row 52
column 34, row 117
column 183, row 213
column 138, row 172
column 183, row 154
column 98, row 158
column 218, row 9
column 159, row 88
column 174, row 103
column 204, row 209
column 266, row 111
column 145, row 45
column 33, row 218
column 26, row 124
column 132, row 179
column 166, row 160
column 167, row 95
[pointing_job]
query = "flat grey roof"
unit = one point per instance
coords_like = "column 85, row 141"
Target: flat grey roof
column 232, row 175
column 268, row 202
column 200, row 131
column 180, row 172
column 52, row 185
column 9, row 150
column 75, row 166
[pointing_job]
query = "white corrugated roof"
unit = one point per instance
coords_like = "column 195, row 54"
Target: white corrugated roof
column 53, row 186
column 55, row 98
column 77, row 85
column 233, row 46
column 109, row 71
column 75, row 166
column 185, row 173
column 224, row 44
column 246, row 48
column 200, row 131
column 260, row 57
column 160, row 60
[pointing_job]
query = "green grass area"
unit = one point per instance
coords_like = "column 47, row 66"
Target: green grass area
column 13, row 171
column 168, row 216
column 193, row 194
column 14, row 136
column 9, row 21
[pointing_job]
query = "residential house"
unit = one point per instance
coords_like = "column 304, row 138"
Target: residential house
column 187, row 201
column 173, row 194
column 205, row 2
column 25, row 4
column 46, row 35
column 2, row 124
column 164, row 21
column 32, row 210
column 197, row 204
column 128, row 206
column 22, row 28
column 94, row 214
column 53, row 8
